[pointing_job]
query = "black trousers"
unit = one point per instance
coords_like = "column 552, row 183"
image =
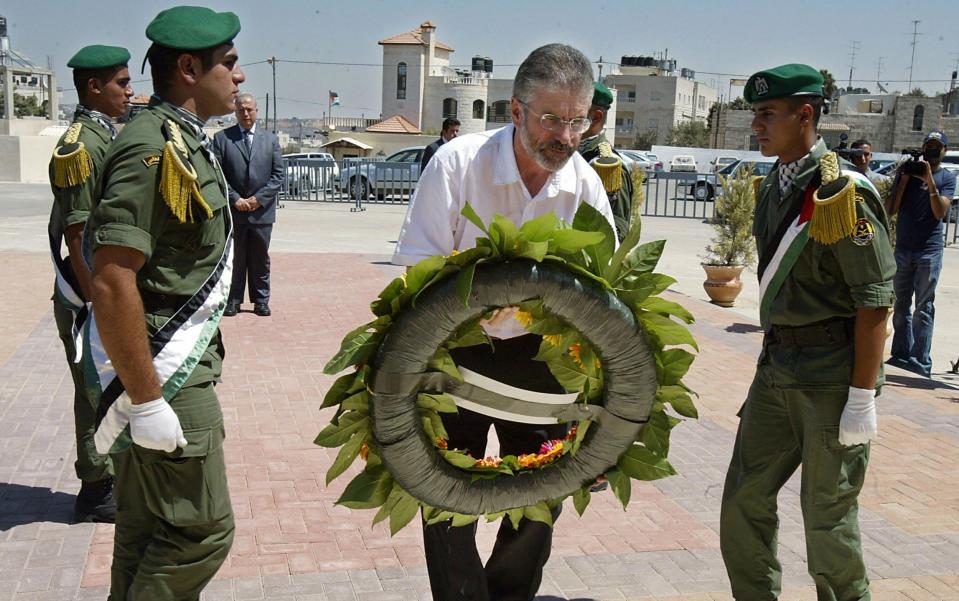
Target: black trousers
column 251, row 262
column 514, row 570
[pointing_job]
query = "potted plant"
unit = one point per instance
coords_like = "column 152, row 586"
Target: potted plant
column 732, row 248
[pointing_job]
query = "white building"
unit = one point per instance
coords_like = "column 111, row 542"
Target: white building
column 420, row 85
column 651, row 97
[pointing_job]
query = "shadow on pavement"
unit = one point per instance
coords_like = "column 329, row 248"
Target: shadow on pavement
column 21, row 505
column 552, row 598
column 743, row 328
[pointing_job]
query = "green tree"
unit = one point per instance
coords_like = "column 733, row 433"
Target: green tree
column 645, row 140
column 691, row 134
column 25, row 106
column 917, row 92
column 829, row 83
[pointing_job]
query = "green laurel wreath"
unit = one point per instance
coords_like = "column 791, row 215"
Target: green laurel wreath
column 585, row 247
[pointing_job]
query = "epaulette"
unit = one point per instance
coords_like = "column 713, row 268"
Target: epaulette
column 72, row 164
column 834, row 213
column 609, row 167
column 757, row 181
column 178, row 178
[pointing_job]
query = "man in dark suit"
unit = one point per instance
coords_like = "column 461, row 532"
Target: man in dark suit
column 253, row 166
column 451, row 129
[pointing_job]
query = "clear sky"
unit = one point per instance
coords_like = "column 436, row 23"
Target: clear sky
column 715, row 38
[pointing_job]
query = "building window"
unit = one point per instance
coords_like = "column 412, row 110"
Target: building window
column 652, row 124
column 449, row 108
column 917, row 115
column 401, row 81
column 499, row 112
column 479, row 107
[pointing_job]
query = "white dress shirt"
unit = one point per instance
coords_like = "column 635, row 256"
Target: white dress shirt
column 481, row 169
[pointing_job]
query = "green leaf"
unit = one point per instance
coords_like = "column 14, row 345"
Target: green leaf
column 440, row 516
column 549, row 351
column 443, row 403
column 531, row 250
column 335, row 435
column 642, row 464
column 357, row 345
column 357, row 402
column 421, row 273
column 383, row 304
column 679, row 399
column 337, row 392
column 444, row 272
column 672, row 365
column 655, row 434
column 503, row 230
column 470, row 334
column 637, row 288
column 470, row 255
column 567, row 372
column 538, row 513
column 667, row 331
column 515, row 515
column 473, row 218
column 460, row 520
column 665, row 307
column 622, row 486
column 581, row 428
column 443, row 361
column 346, row 456
column 581, row 499
column 387, row 507
column 642, row 259
column 588, row 219
column 439, row 429
column 369, row 489
column 403, row 511
column 539, row 229
column 464, row 284
column 458, row 458
column 567, row 242
column 612, row 271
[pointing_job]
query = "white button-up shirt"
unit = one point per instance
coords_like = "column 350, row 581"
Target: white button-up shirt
column 481, row 169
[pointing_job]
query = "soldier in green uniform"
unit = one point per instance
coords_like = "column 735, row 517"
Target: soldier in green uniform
column 103, row 88
column 600, row 154
column 825, row 269
column 162, row 256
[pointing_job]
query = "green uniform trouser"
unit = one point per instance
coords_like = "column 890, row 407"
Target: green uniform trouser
column 174, row 523
column 791, row 416
column 90, row 465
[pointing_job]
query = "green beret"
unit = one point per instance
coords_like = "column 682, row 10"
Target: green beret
column 787, row 80
column 602, row 96
column 99, row 57
column 192, row 28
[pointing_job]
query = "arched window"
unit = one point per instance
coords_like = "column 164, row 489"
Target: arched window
column 401, row 81
column 449, row 108
column 917, row 115
column 499, row 112
column 479, row 108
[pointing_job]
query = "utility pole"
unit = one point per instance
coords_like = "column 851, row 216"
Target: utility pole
column 912, row 61
column 268, row 110
column 854, row 47
column 272, row 61
column 600, row 63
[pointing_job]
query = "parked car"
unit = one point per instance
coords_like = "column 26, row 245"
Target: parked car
column 953, row 215
column 655, row 160
column 397, row 175
column 952, row 156
column 721, row 162
column 634, row 158
column 683, row 163
column 708, row 186
column 308, row 171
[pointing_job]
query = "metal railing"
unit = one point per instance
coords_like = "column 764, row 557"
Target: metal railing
column 674, row 195
column 356, row 181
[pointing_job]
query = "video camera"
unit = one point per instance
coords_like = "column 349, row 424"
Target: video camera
column 914, row 164
column 843, row 150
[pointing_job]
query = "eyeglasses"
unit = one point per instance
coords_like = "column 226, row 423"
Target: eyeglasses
column 551, row 122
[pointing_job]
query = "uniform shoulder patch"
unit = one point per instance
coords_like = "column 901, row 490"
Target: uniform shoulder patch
column 152, row 161
column 863, row 232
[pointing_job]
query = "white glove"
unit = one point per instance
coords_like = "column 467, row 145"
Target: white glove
column 116, row 419
column 154, row 425
column 858, row 422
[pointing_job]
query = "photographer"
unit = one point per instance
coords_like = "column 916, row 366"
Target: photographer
column 862, row 158
column 923, row 193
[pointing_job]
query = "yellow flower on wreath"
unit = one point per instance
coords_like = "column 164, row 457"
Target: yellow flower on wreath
column 524, row 318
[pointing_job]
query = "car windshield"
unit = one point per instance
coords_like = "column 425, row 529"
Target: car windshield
column 683, row 160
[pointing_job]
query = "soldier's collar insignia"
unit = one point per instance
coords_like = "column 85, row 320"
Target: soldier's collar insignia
column 863, row 233
column 761, row 85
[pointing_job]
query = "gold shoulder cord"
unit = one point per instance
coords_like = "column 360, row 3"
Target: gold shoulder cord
column 609, row 168
column 178, row 178
column 834, row 217
column 757, row 181
column 72, row 164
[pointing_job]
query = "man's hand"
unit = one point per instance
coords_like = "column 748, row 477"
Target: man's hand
column 500, row 316
column 154, row 425
column 858, row 422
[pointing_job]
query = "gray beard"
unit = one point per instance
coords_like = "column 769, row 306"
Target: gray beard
column 538, row 153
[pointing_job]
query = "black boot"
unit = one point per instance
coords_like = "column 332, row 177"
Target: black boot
column 95, row 502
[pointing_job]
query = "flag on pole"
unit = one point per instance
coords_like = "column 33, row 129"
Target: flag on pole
column 334, row 99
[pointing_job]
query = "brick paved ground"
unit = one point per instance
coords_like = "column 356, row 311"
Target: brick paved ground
column 292, row 543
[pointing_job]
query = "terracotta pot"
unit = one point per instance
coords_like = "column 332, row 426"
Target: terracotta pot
column 723, row 284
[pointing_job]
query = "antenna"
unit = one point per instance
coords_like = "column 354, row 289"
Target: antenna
column 853, row 48
column 912, row 61
column 879, row 76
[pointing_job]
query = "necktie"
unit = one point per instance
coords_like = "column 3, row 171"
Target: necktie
column 248, row 138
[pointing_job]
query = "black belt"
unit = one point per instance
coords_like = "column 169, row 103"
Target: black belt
column 830, row 331
column 162, row 304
